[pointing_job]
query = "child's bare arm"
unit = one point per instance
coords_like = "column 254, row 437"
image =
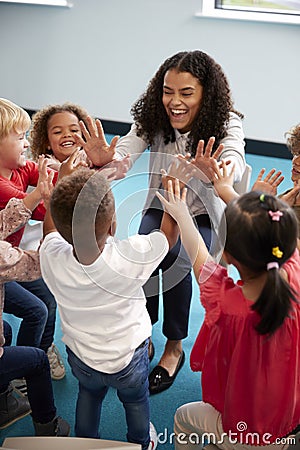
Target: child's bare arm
column 182, row 170
column 175, row 205
column 67, row 167
column 32, row 199
column 223, row 180
column 170, row 228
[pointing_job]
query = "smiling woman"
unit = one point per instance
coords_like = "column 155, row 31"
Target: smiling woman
column 181, row 88
column 186, row 109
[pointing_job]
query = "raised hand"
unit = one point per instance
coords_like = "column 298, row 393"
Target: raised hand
column 204, row 159
column 43, row 171
column 222, row 180
column 94, row 142
column 109, row 173
column 292, row 197
column 175, row 205
column 120, row 166
column 270, row 183
column 69, row 165
column 44, row 184
column 46, row 188
column 175, row 201
column 180, row 168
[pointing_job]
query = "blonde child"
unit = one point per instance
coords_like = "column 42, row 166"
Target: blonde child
column 31, row 300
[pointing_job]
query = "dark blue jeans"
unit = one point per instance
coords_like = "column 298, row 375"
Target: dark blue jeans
column 132, row 388
column 32, row 302
column 176, row 278
column 32, row 364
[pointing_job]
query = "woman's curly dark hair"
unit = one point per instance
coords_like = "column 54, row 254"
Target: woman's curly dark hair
column 150, row 115
column 38, row 137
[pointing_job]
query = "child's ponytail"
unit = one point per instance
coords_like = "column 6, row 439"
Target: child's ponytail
column 262, row 235
column 274, row 302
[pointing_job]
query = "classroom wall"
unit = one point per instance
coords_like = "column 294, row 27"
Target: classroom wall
column 102, row 53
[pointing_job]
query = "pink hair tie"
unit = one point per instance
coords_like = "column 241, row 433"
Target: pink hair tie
column 275, row 215
column 272, row 265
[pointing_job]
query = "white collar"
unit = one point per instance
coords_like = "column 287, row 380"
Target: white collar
column 181, row 136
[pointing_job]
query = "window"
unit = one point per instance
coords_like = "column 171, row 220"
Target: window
column 281, row 11
column 41, row 2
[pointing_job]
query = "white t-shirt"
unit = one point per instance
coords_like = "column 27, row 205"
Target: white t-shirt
column 102, row 306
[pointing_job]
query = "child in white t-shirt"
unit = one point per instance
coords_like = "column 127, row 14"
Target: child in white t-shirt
column 97, row 281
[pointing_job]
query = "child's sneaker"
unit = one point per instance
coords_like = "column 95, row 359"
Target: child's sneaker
column 153, row 437
column 56, row 363
column 19, row 386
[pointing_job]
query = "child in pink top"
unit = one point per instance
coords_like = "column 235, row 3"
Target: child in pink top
column 248, row 347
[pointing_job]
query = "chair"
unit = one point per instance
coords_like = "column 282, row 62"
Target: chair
column 32, row 236
column 64, row 443
column 33, row 232
column 243, row 185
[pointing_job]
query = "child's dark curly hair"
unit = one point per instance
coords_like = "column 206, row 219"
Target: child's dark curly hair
column 38, row 137
column 150, row 115
column 82, row 205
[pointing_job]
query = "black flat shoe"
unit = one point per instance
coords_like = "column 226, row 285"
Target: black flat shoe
column 159, row 378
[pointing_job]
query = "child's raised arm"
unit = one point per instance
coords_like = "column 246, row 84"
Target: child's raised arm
column 223, row 180
column 67, row 167
column 183, row 171
column 34, row 197
column 175, row 205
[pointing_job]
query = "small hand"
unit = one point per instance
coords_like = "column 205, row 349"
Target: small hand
column 175, row 201
column 292, row 198
column 44, row 185
column 270, row 183
column 95, row 144
column 220, row 177
column 204, row 158
column 180, row 169
column 45, row 176
column 121, row 167
column 46, row 188
column 223, row 180
column 108, row 173
column 69, row 165
column 42, row 168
